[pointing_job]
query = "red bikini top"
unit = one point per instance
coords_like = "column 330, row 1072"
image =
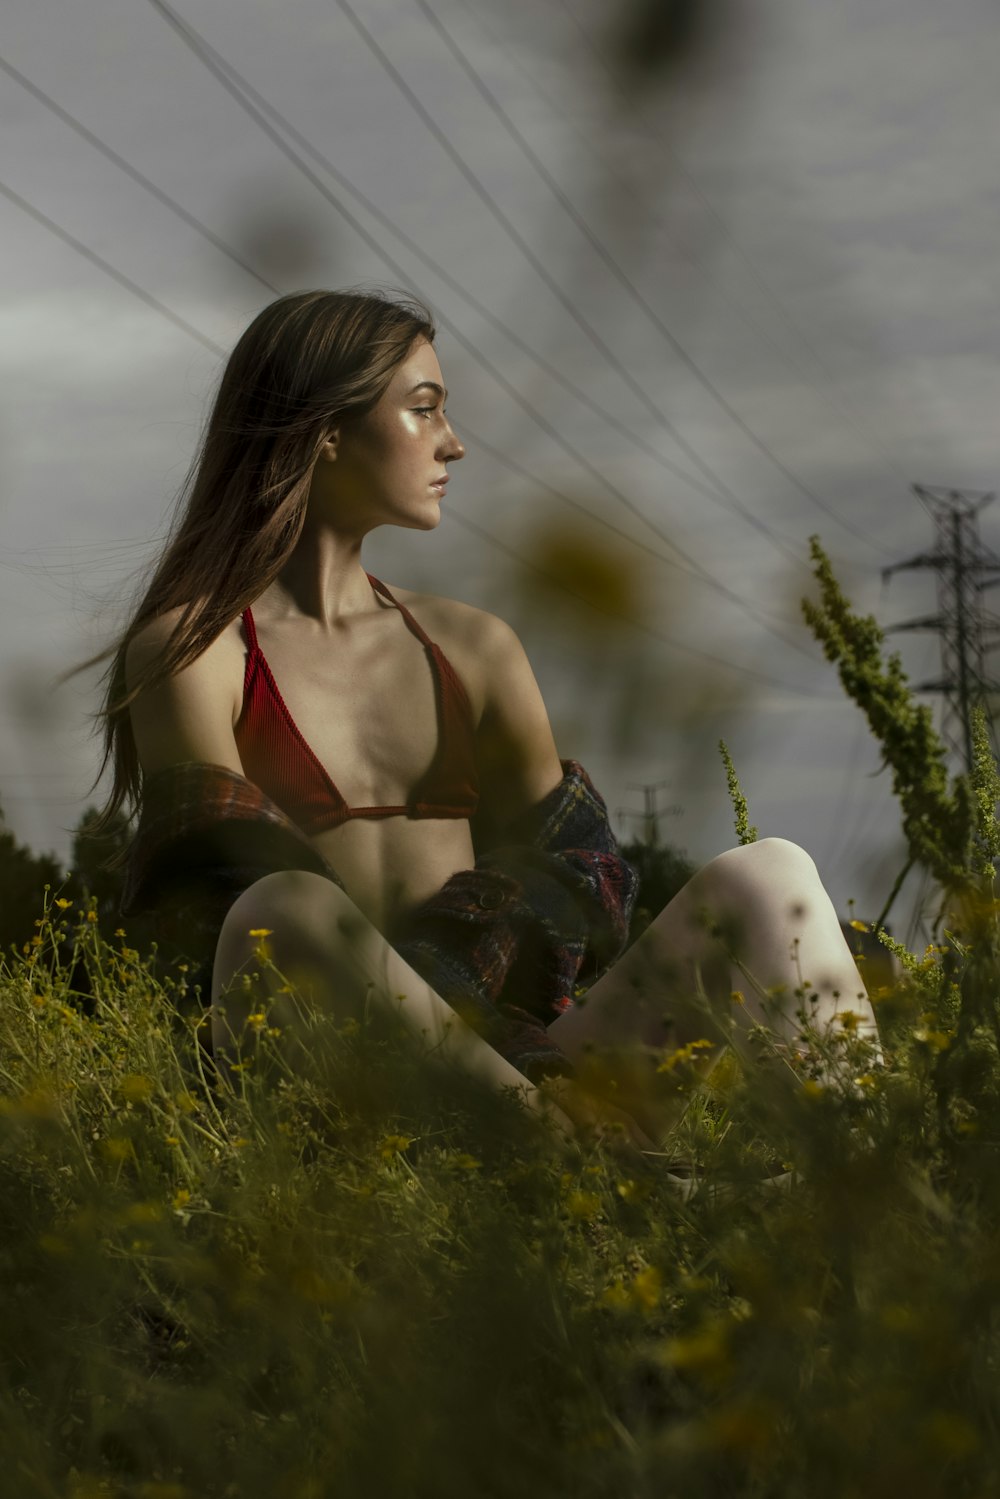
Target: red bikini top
column 278, row 760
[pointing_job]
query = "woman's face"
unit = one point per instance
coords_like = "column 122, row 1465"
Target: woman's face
column 389, row 467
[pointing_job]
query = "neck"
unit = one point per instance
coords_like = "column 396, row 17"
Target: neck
column 323, row 579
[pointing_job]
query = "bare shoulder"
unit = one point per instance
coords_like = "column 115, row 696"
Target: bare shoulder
column 478, row 644
column 515, row 751
column 148, row 645
column 190, row 714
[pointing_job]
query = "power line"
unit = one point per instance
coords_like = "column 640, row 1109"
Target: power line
column 228, row 77
column 553, row 372
column 659, row 635
column 151, row 301
column 137, row 290
column 112, row 271
column 686, row 174
column 517, row 238
column 254, row 104
column 624, row 280
column 135, row 174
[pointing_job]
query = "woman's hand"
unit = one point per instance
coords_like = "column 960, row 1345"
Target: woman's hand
column 593, row 1116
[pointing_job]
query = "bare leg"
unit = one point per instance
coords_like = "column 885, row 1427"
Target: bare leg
column 332, row 954
column 756, row 918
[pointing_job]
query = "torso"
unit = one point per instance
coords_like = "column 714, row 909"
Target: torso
column 363, row 699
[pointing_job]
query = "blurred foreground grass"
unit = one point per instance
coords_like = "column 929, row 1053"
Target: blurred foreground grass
column 373, row 1278
column 370, row 1277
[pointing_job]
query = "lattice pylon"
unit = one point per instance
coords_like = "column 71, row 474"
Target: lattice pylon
column 965, row 569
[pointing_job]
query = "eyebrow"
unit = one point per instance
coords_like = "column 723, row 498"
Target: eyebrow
column 429, row 385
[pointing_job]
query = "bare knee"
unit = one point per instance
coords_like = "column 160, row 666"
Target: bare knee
column 304, row 918
column 750, row 887
column 294, row 901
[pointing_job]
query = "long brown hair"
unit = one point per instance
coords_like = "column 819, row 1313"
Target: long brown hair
column 305, row 362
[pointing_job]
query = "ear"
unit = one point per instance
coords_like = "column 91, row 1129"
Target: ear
column 328, row 447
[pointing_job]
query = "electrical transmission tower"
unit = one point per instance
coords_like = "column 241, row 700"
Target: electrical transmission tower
column 651, row 813
column 965, row 569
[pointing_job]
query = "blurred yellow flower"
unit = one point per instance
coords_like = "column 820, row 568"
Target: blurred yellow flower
column 704, row 1351
column 646, row 1288
column 136, row 1087
column 583, row 1205
column 391, row 1145
column 117, row 1148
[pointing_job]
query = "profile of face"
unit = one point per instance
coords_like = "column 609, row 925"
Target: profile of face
column 389, row 467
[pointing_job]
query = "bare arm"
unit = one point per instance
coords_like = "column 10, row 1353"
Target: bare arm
column 190, row 715
column 518, row 761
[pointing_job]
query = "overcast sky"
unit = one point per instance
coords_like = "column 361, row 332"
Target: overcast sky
column 750, row 300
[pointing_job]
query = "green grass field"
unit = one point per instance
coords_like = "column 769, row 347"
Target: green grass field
column 370, row 1276
column 366, row 1276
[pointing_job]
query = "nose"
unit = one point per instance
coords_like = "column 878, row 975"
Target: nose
column 453, row 446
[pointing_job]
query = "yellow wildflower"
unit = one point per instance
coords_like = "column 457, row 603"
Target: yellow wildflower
column 632, row 1191
column 143, row 1212
column 936, row 1040
column 261, row 931
column 62, row 903
column 583, row 1205
column 704, row 1352
column 392, row 1144
column 646, row 1288
column 180, row 1199
column 117, row 1148
column 683, row 1054
column 136, row 1087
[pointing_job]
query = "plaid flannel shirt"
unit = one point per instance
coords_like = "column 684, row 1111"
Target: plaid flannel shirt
column 505, row 943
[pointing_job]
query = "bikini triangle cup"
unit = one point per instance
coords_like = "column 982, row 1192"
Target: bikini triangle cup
column 277, row 758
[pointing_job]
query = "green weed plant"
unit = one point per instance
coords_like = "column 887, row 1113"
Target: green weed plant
column 354, row 1272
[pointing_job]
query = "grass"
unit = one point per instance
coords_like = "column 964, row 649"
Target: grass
column 367, row 1276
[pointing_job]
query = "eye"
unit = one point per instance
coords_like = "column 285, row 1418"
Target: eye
column 424, row 410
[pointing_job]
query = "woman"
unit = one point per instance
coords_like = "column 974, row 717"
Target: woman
column 368, row 774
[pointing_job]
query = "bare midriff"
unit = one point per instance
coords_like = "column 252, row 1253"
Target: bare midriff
column 391, row 865
column 367, row 708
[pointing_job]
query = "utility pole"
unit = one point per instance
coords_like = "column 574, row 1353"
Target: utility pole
column 965, row 569
column 651, row 813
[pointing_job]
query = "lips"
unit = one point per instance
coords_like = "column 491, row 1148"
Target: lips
column 439, row 483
